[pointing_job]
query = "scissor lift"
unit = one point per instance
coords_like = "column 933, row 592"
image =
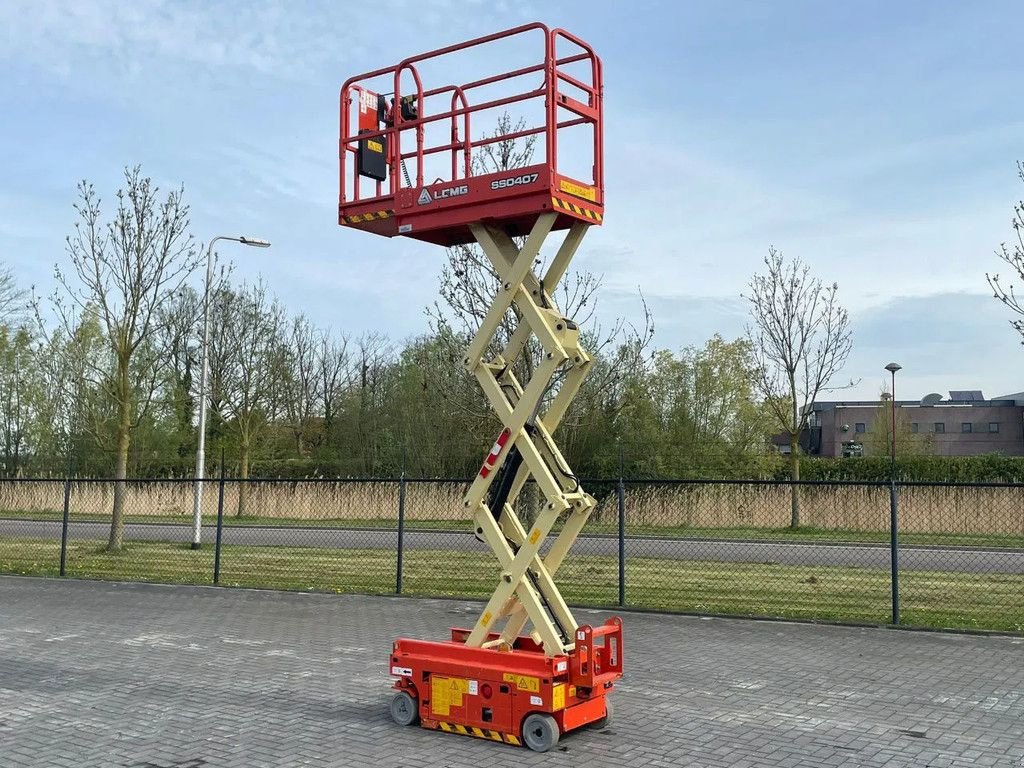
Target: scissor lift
column 526, row 672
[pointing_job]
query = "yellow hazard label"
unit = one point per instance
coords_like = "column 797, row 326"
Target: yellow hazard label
column 558, row 697
column 579, row 190
column 480, row 733
column 486, row 619
column 446, row 692
column 534, row 535
column 376, row 146
column 371, row 216
column 523, row 682
column 565, row 205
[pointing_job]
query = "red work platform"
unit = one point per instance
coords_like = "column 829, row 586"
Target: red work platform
column 383, row 134
column 411, row 165
column 503, row 695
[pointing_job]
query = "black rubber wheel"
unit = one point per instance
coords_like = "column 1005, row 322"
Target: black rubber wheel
column 606, row 720
column 404, row 709
column 540, row 732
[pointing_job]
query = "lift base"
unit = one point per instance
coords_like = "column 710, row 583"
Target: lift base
column 514, row 695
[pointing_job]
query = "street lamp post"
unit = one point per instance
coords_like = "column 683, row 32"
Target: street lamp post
column 892, row 368
column 894, row 553
column 197, row 496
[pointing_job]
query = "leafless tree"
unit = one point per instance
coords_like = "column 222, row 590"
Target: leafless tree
column 299, row 395
column 1013, row 255
column 469, row 285
column 334, row 374
column 122, row 270
column 374, row 352
column 800, row 338
column 247, row 361
column 14, row 301
column 317, row 370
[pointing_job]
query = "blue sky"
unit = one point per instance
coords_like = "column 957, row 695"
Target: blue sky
column 874, row 140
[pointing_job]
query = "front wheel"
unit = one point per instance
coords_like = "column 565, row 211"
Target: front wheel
column 540, row 732
column 404, row 709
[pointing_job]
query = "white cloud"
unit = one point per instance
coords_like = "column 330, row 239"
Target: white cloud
column 270, row 38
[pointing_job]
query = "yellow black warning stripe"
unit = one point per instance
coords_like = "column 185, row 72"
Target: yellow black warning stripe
column 579, row 210
column 371, row 216
column 480, row 733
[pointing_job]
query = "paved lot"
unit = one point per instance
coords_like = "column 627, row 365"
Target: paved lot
column 963, row 560
column 148, row 676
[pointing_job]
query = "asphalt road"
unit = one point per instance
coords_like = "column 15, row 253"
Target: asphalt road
column 964, row 560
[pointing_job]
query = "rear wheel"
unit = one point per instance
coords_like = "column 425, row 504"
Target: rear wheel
column 404, row 710
column 540, row 732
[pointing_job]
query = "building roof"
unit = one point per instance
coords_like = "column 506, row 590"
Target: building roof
column 1003, row 402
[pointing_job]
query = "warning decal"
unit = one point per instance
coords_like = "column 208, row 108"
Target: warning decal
column 447, row 692
column 578, row 190
column 523, row 682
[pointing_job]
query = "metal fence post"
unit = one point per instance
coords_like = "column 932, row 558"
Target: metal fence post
column 894, row 551
column 622, row 542
column 220, row 522
column 401, row 532
column 622, row 531
column 64, row 528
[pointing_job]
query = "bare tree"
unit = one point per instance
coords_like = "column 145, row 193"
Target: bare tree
column 247, row 358
column 1013, row 255
column 800, row 337
column 469, row 285
column 178, row 340
column 123, row 270
column 333, row 374
column 469, row 282
column 374, row 352
column 299, row 395
column 14, row 301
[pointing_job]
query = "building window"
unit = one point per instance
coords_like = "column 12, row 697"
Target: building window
column 966, row 427
column 859, row 427
column 939, row 427
column 915, row 427
column 993, row 427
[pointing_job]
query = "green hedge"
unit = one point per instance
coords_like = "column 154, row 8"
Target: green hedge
column 990, row 468
column 955, row 469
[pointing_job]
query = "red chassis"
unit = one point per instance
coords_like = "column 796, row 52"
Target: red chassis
column 508, row 695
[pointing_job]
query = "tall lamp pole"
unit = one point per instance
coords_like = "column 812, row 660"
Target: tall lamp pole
column 892, row 368
column 894, row 552
column 197, row 494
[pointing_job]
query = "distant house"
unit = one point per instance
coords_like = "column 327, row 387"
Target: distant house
column 964, row 425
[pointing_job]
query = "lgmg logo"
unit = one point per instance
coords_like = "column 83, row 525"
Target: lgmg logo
column 426, row 197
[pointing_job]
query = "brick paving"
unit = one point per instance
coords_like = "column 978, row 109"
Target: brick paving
column 149, row 676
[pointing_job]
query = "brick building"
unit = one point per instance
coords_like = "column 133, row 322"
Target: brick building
column 964, row 425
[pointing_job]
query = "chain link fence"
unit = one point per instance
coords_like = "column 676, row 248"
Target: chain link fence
column 918, row 554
